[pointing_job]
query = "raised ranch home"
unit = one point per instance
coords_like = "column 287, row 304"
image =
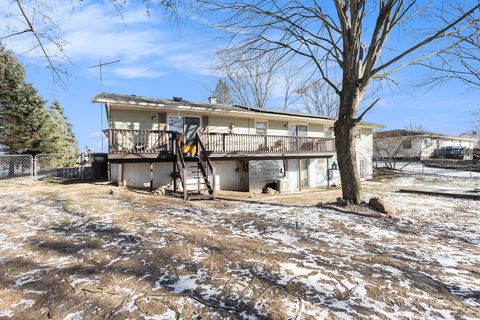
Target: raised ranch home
column 418, row 145
column 210, row 146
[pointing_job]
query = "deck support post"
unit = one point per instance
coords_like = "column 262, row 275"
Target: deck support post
column 151, row 176
column 120, row 175
column 328, row 174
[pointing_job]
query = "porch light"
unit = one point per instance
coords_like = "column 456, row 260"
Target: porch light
column 334, row 166
column 154, row 118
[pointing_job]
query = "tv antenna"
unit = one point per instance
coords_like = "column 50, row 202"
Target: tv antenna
column 100, row 69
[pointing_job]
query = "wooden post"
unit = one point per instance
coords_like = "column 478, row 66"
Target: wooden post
column 174, row 152
column 328, row 175
column 223, row 142
column 151, row 176
column 110, row 141
column 120, row 175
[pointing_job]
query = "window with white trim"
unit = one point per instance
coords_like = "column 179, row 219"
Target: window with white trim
column 261, row 127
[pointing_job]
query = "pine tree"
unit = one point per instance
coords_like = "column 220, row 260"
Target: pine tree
column 26, row 126
column 222, row 93
column 63, row 138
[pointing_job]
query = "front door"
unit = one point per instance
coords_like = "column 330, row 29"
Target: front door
column 192, row 126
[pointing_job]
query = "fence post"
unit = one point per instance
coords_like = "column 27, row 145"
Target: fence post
column 81, row 166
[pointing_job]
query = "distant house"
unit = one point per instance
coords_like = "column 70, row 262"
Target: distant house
column 222, row 147
column 420, row 145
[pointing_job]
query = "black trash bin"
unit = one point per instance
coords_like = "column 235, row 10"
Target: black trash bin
column 100, row 165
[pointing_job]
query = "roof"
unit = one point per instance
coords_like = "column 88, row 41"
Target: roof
column 400, row 133
column 124, row 99
column 133, row 99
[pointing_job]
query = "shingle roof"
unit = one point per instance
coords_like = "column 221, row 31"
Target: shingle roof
column 133, row 99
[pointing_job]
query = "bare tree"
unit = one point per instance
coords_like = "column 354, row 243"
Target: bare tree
column 476, row 119
column 414, row 126
column 37, row 18
column 318, row 97
column 461, row 59
column 389, row 150
column 344, row 40
column 250, row 81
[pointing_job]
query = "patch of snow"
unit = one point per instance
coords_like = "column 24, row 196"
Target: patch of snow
column 6, row 313
column 75, row 315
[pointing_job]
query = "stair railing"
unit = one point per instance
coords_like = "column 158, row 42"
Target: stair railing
column 205, row 164
column 179, row 163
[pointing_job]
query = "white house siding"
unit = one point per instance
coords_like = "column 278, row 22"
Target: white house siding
column 364, row 151
column 316, row 130
column 137, row 175
column 225, row 124
column 231, row 175
column 277, row 128
column 131, row 119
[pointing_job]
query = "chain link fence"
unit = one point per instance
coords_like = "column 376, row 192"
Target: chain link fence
column 45, row 167
column 57, row 167
column 16, row 168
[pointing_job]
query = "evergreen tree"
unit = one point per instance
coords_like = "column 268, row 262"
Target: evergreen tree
column 222, row 93
column 63, row 139
column 25, row 125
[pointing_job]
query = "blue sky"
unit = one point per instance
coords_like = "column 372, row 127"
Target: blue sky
column 161, row 60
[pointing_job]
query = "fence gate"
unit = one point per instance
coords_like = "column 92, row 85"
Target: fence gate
column 16, row 168
column 57, row 167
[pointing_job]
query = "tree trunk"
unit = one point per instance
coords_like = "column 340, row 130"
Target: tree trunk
column 345, row 144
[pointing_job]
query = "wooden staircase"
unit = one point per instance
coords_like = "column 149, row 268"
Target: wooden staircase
column 196, row 172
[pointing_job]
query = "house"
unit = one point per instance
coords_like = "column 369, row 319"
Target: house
column 211, row 146
column 420, row 145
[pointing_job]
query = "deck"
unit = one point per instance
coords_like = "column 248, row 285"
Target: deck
column 157, row 146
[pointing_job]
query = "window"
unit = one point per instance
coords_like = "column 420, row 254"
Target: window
column 297, row 130
column 302, row 131
column 175, row 123
column 260, row 127
column 328, row 133
column 407, row 144
column 358, row 133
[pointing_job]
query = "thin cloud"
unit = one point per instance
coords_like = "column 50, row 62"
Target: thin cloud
column 138, row 72
column 146, row 46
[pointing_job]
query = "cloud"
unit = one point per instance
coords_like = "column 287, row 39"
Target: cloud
column 138, row 72
column 96, row 134
column 95, row 31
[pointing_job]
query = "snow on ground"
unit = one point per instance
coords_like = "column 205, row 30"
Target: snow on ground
column 419, row 168
column 77, row 252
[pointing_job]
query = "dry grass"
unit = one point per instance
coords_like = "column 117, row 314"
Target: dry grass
column 79, row 252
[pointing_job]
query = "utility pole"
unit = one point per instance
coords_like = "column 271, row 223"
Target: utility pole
column 100, row 68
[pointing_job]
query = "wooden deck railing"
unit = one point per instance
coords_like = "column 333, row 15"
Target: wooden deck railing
column 139, row 141
column 256, row 143
column 154, row 141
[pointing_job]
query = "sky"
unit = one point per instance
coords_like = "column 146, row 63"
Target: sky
column 161, row 59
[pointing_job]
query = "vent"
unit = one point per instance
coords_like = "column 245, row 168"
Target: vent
column 178, row 99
